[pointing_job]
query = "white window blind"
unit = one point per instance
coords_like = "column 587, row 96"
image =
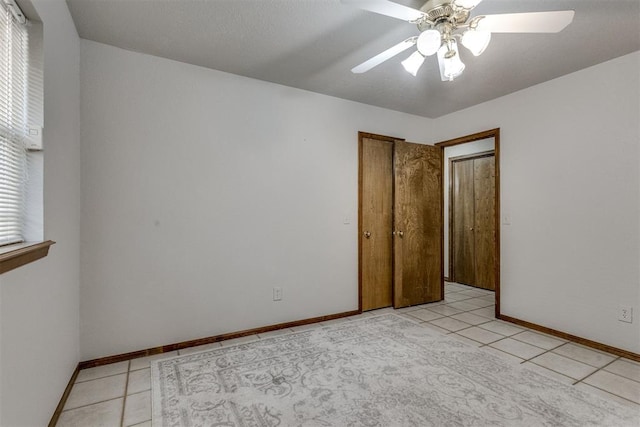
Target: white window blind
column 13, row 125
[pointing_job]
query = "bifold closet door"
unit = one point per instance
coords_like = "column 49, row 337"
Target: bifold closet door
column 464, row 260
column 474, row 229
column 418, row 224
column 485, row 227
column 376, row 223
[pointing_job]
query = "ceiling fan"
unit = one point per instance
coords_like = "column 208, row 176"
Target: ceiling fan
column 442, row 23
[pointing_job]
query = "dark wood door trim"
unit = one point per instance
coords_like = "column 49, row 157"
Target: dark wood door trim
column 470, row 138
column 495, row 134
column 474, row 156
column 361, row 137
column 452, row 160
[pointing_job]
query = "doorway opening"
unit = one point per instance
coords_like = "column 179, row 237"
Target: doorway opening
column 472, row 211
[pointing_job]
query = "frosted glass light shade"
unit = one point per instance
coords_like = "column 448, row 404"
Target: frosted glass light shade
column 429, row 42
column 476, row 41
column 449, row 60
column 413, row 63
column 468, row 4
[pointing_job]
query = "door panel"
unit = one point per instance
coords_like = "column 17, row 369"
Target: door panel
column 485, row 230
column 418, row 224
column 463, row 223
column 376, row 208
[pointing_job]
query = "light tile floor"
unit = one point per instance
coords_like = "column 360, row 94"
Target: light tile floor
column 119, row 395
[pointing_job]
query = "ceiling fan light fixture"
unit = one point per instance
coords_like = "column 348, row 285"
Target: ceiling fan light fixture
column 451, row 66
column 467, row 4
column 429, row 42
column 445, row 23
column 413, row 63
column 476, row 41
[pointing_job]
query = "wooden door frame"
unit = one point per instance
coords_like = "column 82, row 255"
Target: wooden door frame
column 452, row 160
column 495, row 134
column 361, row 137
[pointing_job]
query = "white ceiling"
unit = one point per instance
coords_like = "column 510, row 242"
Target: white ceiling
column 313, row 44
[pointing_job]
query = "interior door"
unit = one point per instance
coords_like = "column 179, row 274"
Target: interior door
column 418, row 224
column 484, row 227
column 376, row 222
column 463, row 222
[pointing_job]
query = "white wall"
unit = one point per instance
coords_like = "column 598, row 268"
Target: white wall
column 455, row 151
column 39, row 303
column 203, row 190
column 570, row 182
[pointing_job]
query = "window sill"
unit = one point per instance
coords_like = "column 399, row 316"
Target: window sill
column 15, row 256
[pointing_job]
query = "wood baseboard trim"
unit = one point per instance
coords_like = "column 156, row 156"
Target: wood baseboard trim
column 586, row 342
column 63, row 399
column 209, row 340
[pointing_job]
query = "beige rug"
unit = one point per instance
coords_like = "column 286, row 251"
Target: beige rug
column 377, row 371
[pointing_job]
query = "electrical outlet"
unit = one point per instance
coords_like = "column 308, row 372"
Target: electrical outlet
column 625, row 313
column 277, row 294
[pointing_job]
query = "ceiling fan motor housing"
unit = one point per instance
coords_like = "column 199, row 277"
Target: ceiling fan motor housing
column 438, row 11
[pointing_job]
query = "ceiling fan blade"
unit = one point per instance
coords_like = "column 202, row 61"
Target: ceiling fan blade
column 388, row 8
column 532, row 22
column 381, row 57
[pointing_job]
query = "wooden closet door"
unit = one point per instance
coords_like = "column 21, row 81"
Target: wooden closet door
column 376, row 188
column 473, row 218
column 485, row 227
column 418, row 247
column 463, row 222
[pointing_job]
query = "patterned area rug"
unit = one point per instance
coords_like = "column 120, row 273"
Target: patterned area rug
column 377, row 371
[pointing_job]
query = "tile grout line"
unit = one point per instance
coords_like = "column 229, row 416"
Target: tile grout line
column 581, row 380
column 613, row 394
column 124, row 398
column 512, row 337
column 101, row 377
column 534, row 357
column 524, row 342
column 530, row 360
column 544, row 352
column 451, row 316
column 429, row 323
column 597, row 370
column 470, row 326
column 91, row 404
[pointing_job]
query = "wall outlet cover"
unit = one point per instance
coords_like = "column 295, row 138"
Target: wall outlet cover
column 625, row 313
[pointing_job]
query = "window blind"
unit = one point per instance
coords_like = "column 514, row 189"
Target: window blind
column 13, row 125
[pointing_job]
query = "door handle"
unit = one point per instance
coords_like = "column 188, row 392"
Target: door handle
column 399, row 233
column 367, row 234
